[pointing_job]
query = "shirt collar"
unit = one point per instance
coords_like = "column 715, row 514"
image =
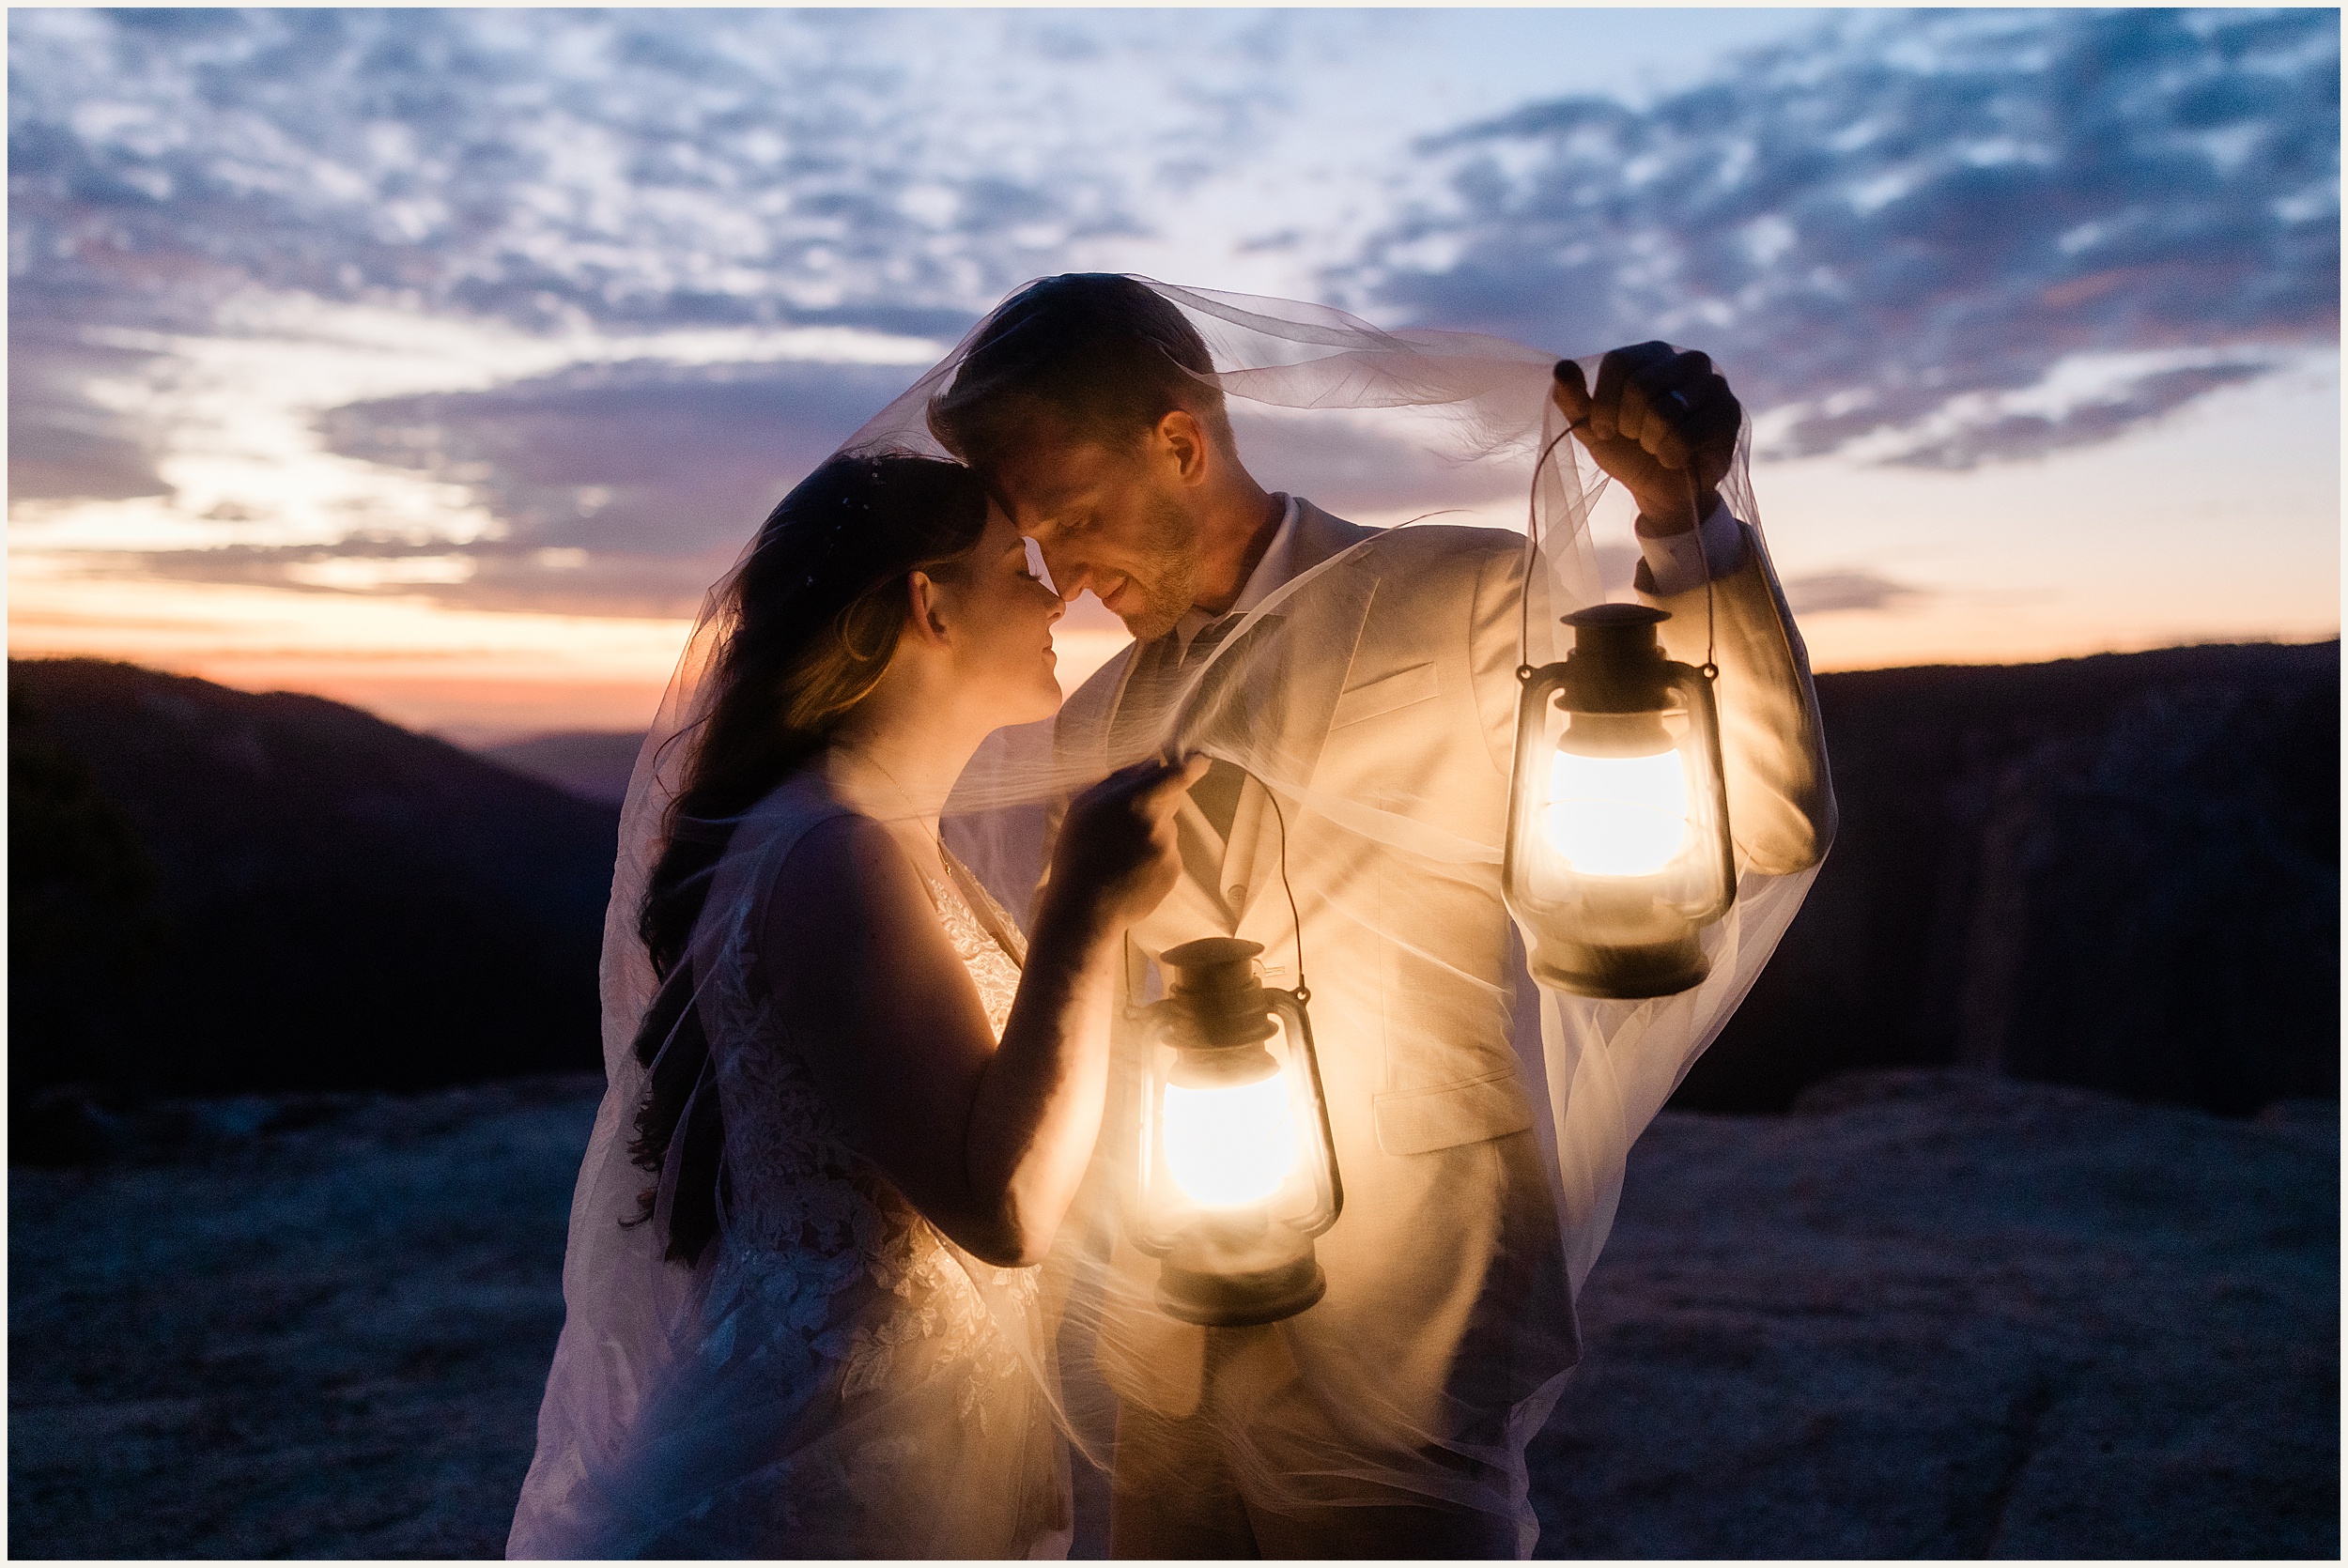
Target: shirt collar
column 1270, row 574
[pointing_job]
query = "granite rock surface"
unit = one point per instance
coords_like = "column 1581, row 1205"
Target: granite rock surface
column 1927, row 1314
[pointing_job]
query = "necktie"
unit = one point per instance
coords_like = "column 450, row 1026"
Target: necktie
column 1210, row 637
column 1218, row 793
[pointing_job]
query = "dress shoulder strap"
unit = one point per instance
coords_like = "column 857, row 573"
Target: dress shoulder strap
column 746, row 878
column 790, row 811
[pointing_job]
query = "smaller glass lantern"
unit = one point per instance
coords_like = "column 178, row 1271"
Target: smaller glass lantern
column 1238, row 1170
column 1618, row 849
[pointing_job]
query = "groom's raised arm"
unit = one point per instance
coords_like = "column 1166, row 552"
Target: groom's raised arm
column 1781, row 803
column 1664, row 423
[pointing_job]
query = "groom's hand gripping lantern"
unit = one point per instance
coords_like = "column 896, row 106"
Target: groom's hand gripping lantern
column 1662, row 424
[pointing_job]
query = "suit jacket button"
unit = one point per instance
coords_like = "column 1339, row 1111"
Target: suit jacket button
column 1235, row 894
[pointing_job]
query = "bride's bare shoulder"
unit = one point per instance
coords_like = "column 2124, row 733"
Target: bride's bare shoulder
column 842, row 885
column 852, row 931
column 813, row 858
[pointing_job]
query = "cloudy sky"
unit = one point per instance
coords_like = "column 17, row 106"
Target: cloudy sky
column 437, row 361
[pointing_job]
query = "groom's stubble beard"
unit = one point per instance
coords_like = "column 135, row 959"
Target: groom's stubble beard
column 1166, row 571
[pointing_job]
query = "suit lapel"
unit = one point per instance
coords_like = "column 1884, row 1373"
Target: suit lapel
column 1249, row 862
column 1133, row 710
column 1319, row 630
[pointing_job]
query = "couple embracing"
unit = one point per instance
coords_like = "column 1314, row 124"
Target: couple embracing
column 848, row 1272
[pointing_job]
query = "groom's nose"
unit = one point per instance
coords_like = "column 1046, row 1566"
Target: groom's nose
column 1069, row 576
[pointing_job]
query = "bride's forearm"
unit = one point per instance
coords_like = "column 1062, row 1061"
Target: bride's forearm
column 1038, row 1107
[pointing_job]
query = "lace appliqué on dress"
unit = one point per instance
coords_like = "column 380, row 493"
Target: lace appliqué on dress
column 819, row 1243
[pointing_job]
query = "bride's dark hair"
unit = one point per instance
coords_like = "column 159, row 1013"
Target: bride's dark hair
column 811, row 620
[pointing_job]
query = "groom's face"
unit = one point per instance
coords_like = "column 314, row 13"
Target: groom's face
column 1110, row 518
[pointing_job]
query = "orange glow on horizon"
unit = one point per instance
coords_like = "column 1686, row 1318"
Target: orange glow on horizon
column 474, row 676
column 2217, row 524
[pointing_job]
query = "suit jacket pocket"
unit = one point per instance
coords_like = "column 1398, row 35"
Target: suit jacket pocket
column 1384, row 695
column 1418, row 1121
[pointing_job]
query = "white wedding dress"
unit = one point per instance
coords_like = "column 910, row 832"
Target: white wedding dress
column 836, row 1378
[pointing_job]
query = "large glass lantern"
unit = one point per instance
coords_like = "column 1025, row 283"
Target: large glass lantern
column 1238, row 1170
column 1618, row 851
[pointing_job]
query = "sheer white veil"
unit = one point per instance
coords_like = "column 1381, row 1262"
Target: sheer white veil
column 1454, row 425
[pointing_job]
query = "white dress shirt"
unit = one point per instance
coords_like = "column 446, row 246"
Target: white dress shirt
column 1678, row 562
column 1272, row 573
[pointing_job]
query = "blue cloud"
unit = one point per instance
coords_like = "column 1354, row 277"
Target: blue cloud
column 62, row 444
column 656, row 459
column 622, row 489
column 625, row 168
column 1888, row 224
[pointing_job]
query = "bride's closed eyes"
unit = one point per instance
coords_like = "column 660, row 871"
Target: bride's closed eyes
column 1036, row 570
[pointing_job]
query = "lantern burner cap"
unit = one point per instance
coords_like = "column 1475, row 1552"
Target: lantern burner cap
column 1213, row 965
column 1617, row 630
column 1215, row 983
column 1613, row 613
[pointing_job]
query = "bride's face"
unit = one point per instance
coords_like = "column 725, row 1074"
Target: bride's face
column 1001, row 615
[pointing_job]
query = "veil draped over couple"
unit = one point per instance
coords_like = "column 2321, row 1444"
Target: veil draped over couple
column 852, row 1268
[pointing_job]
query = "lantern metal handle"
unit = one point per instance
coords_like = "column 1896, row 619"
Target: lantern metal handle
column 1331, row 1180
column 1333, row 1189
column 1709, row 669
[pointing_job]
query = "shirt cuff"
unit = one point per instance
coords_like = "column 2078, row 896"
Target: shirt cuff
column 1679, row 561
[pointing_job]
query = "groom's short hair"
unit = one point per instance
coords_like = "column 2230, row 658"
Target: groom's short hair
column 1107, row 354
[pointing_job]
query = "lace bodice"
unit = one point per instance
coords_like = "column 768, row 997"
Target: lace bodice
column 993, row 962
column 817, row 1238
column 833, row 1378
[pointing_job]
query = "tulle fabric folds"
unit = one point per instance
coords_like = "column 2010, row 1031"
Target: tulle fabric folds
column 650, row 1438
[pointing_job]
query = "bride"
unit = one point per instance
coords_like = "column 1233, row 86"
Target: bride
column 848, row 1106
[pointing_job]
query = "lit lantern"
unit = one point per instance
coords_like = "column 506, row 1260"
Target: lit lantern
column 1618, row 851
column 1238, row 1170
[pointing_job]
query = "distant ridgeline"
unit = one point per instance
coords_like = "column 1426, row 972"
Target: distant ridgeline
column 2120, row 872
column 212, row 891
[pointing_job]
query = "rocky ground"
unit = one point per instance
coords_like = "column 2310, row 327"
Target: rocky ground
column 1928, row 1314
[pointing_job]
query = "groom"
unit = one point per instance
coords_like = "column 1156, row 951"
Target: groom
column 1407, row 1395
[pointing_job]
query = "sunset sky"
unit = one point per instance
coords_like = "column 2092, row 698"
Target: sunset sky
column 438, row 360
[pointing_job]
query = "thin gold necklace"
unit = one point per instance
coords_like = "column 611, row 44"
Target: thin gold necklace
column 937, row 837
column 959, row 879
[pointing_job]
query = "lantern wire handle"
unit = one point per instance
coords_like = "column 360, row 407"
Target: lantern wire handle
column 1296, row 921
column 1711, row 668
column 1533, row 549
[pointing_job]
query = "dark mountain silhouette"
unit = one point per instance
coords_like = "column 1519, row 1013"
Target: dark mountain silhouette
column 2120, row 872
column 215, row 891
column 594, row 765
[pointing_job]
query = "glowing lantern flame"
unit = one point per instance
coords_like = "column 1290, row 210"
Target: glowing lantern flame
column 1617, row 816
column 1230, row 1145
column 1618, row 854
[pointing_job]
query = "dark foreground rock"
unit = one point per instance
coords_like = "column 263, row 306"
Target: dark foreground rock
column 320, row 1343
column 1929, row 1314
column 1935, row 1315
